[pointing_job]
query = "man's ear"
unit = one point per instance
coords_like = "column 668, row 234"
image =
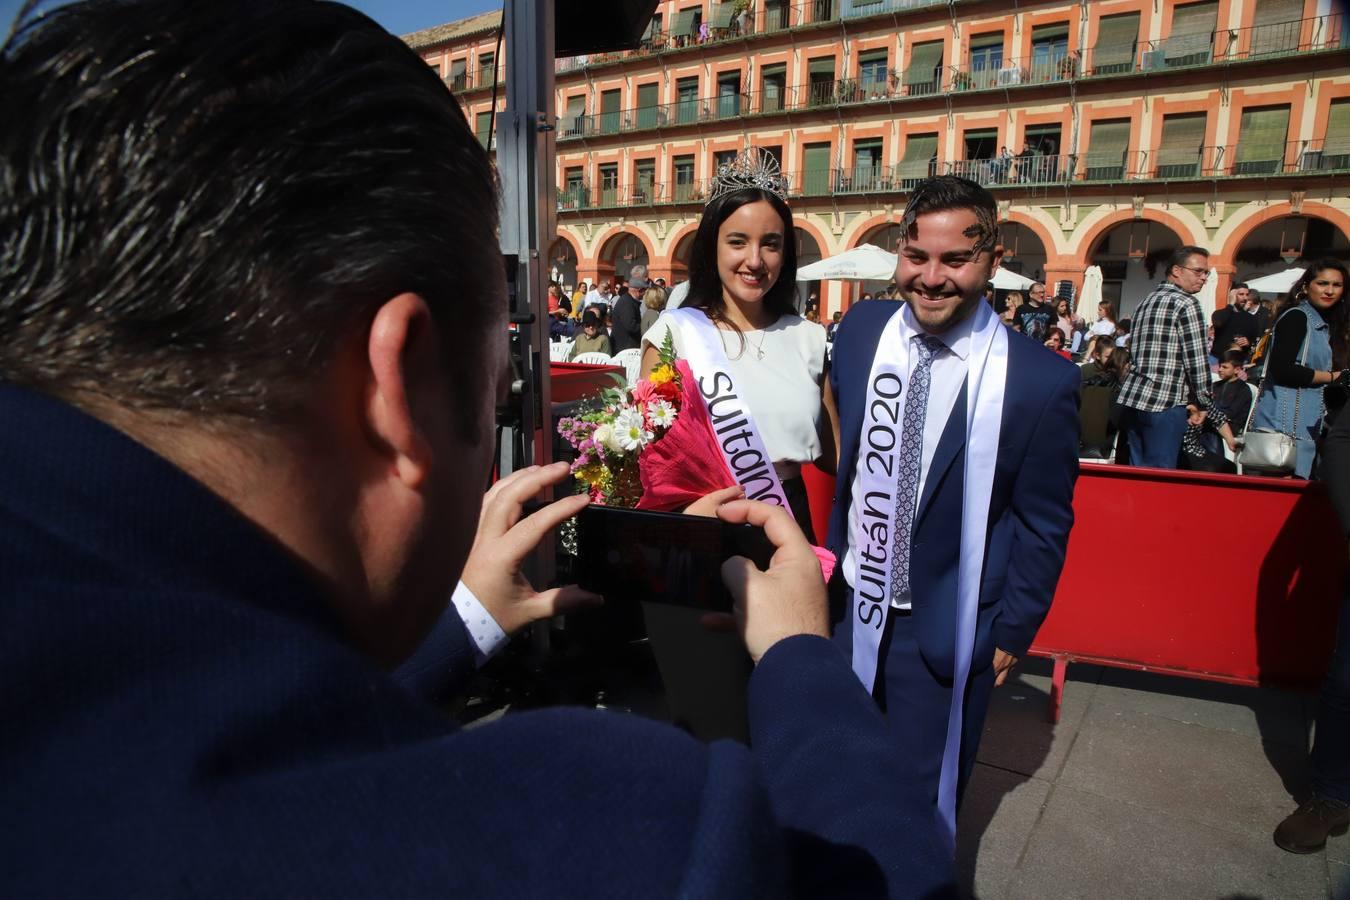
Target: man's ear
column 402, row 356
column 996, row 258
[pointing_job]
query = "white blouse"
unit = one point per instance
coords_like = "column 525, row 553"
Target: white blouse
column 782, row 389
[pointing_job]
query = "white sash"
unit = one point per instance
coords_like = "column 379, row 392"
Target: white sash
column 738, row 439
column 878, row 454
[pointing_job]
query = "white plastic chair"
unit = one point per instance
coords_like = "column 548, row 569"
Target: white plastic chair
column 558, row 350
column 631, row 360
column 592, row 359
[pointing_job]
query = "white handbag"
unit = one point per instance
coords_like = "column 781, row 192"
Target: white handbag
column 1265, row 449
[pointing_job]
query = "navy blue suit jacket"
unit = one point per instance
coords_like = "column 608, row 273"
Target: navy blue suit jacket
column 184, row 717
column 1030, row 512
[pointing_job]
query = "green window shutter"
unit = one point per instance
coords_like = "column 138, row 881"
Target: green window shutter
column 721, row 17
column 483, row 124
column 986, row 40
column 1192, row 37
column 1336, row 146
column 647, row 95
column 923, row 64
column 609, row 111
column 1179, row 149
column 1056, row 32
column 821, row 66
column 816, row 169
column 919, row 152
column 1117, row 37
column 1261, row 140
column 1276, row 26
column 683, row 25
column 1108, row 142
column 574, row 120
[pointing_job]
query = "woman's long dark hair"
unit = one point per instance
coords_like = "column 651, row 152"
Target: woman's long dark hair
column 705, row 284
column 1337, row 318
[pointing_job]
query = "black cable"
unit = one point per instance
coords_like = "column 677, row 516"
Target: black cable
column 496, row 81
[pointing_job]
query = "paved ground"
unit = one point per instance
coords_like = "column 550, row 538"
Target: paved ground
column 1149, row 787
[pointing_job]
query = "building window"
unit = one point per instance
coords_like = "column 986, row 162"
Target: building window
column 609, row 184
column 482, row 127
column 487, row 68
column 1117, row 40
column 1334, row 151
column 1050, row 60
column 866, row 172
column 574, row 120
column 722, row 158
column 1108, row 145
column 609, row 111
column 648, row 113
column 574, row 188
column 773, row 87
column 924, row 74
column 686, row 100
column 644, row 180
column 1039, row 160
column 816, row 169
column 920, row 160
column 873, row 74
column 458, row 80
column 728, row 95
column 1183, row 138
column 684, row 179
column 820, row 72
column 986, row 62
column 1276, row 27
column 1261, row 141
column 981, row 150
column 1191, row 42
column 776, row 152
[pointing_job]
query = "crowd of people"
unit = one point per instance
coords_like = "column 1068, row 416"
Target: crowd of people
column 243, row 535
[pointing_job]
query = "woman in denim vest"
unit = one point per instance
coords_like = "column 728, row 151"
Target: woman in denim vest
column 1300, row 365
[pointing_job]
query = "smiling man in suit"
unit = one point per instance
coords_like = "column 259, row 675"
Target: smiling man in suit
column 954, row 496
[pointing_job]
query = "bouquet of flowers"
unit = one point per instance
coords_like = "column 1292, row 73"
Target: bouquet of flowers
column 610, row 437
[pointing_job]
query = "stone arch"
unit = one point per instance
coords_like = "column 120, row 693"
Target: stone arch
column 1086, row 241
column 564, row 259
column 680, row 244
column 1132, row 254
column 1236, row 231
column 610, row 246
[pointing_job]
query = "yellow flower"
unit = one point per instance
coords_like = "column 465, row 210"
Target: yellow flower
column 592, row 474
column 662, row 374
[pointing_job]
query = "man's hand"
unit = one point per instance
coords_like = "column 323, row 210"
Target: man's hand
column 504, row 541
column 1241, row 342
column 1194, row 414
column 707, row 504
column 1003, row 664
column 787, row 600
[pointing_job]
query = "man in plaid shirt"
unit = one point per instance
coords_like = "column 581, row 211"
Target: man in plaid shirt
column 1169, row 382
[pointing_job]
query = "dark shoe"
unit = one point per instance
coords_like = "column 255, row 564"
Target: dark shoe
column 1306, row 830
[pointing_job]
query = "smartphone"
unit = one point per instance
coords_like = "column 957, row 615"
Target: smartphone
column 632, row 555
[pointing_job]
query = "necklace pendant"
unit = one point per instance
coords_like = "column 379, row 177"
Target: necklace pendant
column 759, row 354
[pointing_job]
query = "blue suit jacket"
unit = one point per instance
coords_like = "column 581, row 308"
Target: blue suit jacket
column 1030, row 512
column 183, row 717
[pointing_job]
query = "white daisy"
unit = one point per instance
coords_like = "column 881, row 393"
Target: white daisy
column 661, row 414
column 630, row 430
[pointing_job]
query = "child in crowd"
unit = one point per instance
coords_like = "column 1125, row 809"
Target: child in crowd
column 1123, row 333
column 1203, row 444
column 1055, row 341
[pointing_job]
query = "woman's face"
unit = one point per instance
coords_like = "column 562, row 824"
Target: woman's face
column 1326, row 288
column 750, row 252
column 1062, row 308
column 1055, row 341
column 1104, row 312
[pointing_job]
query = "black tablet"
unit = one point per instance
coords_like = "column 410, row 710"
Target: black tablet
column 630, row 555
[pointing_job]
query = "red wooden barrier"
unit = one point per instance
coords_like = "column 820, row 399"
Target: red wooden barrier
column 1220, row 577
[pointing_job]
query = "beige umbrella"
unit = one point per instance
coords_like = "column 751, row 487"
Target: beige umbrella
column 1207, row 295
column 1091, row 295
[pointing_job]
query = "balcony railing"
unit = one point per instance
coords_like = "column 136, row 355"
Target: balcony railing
column 472, row 81
column 1232, row 161
column 1040, row 68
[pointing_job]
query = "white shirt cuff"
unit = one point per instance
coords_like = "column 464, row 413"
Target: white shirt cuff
column 486, row 634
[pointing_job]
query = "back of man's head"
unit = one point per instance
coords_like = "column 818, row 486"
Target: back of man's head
column 201, row 199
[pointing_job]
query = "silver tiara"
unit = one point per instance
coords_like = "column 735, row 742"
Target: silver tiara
column 751, row 168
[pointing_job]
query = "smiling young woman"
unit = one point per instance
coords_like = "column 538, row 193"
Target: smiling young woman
column 741, row 335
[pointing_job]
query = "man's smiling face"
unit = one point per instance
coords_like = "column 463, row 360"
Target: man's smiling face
column 939, row 273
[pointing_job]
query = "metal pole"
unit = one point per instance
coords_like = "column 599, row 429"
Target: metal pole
column 525, row 164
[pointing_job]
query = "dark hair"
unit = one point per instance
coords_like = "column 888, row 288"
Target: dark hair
column 1236, row 357
column 1337, row 318
column 592, row 316
column 203, row 200
column 1182, row 254
column 944, row 192
column 705, row 283
column 1254, row 294
column 1123, row 325
column 1239, row 285
column 1117, row 363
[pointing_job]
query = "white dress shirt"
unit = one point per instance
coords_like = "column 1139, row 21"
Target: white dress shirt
column 948, row 374
column 486, row 634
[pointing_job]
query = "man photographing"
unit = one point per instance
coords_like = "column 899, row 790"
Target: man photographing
column 251, row 322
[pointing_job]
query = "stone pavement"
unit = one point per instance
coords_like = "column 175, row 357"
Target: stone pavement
column 1150, row 787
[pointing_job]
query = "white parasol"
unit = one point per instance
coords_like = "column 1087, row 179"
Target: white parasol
column 1279, row 283
column 867, row 262
column 1206, row 295
column 1008, row 280
column 1091, row 295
